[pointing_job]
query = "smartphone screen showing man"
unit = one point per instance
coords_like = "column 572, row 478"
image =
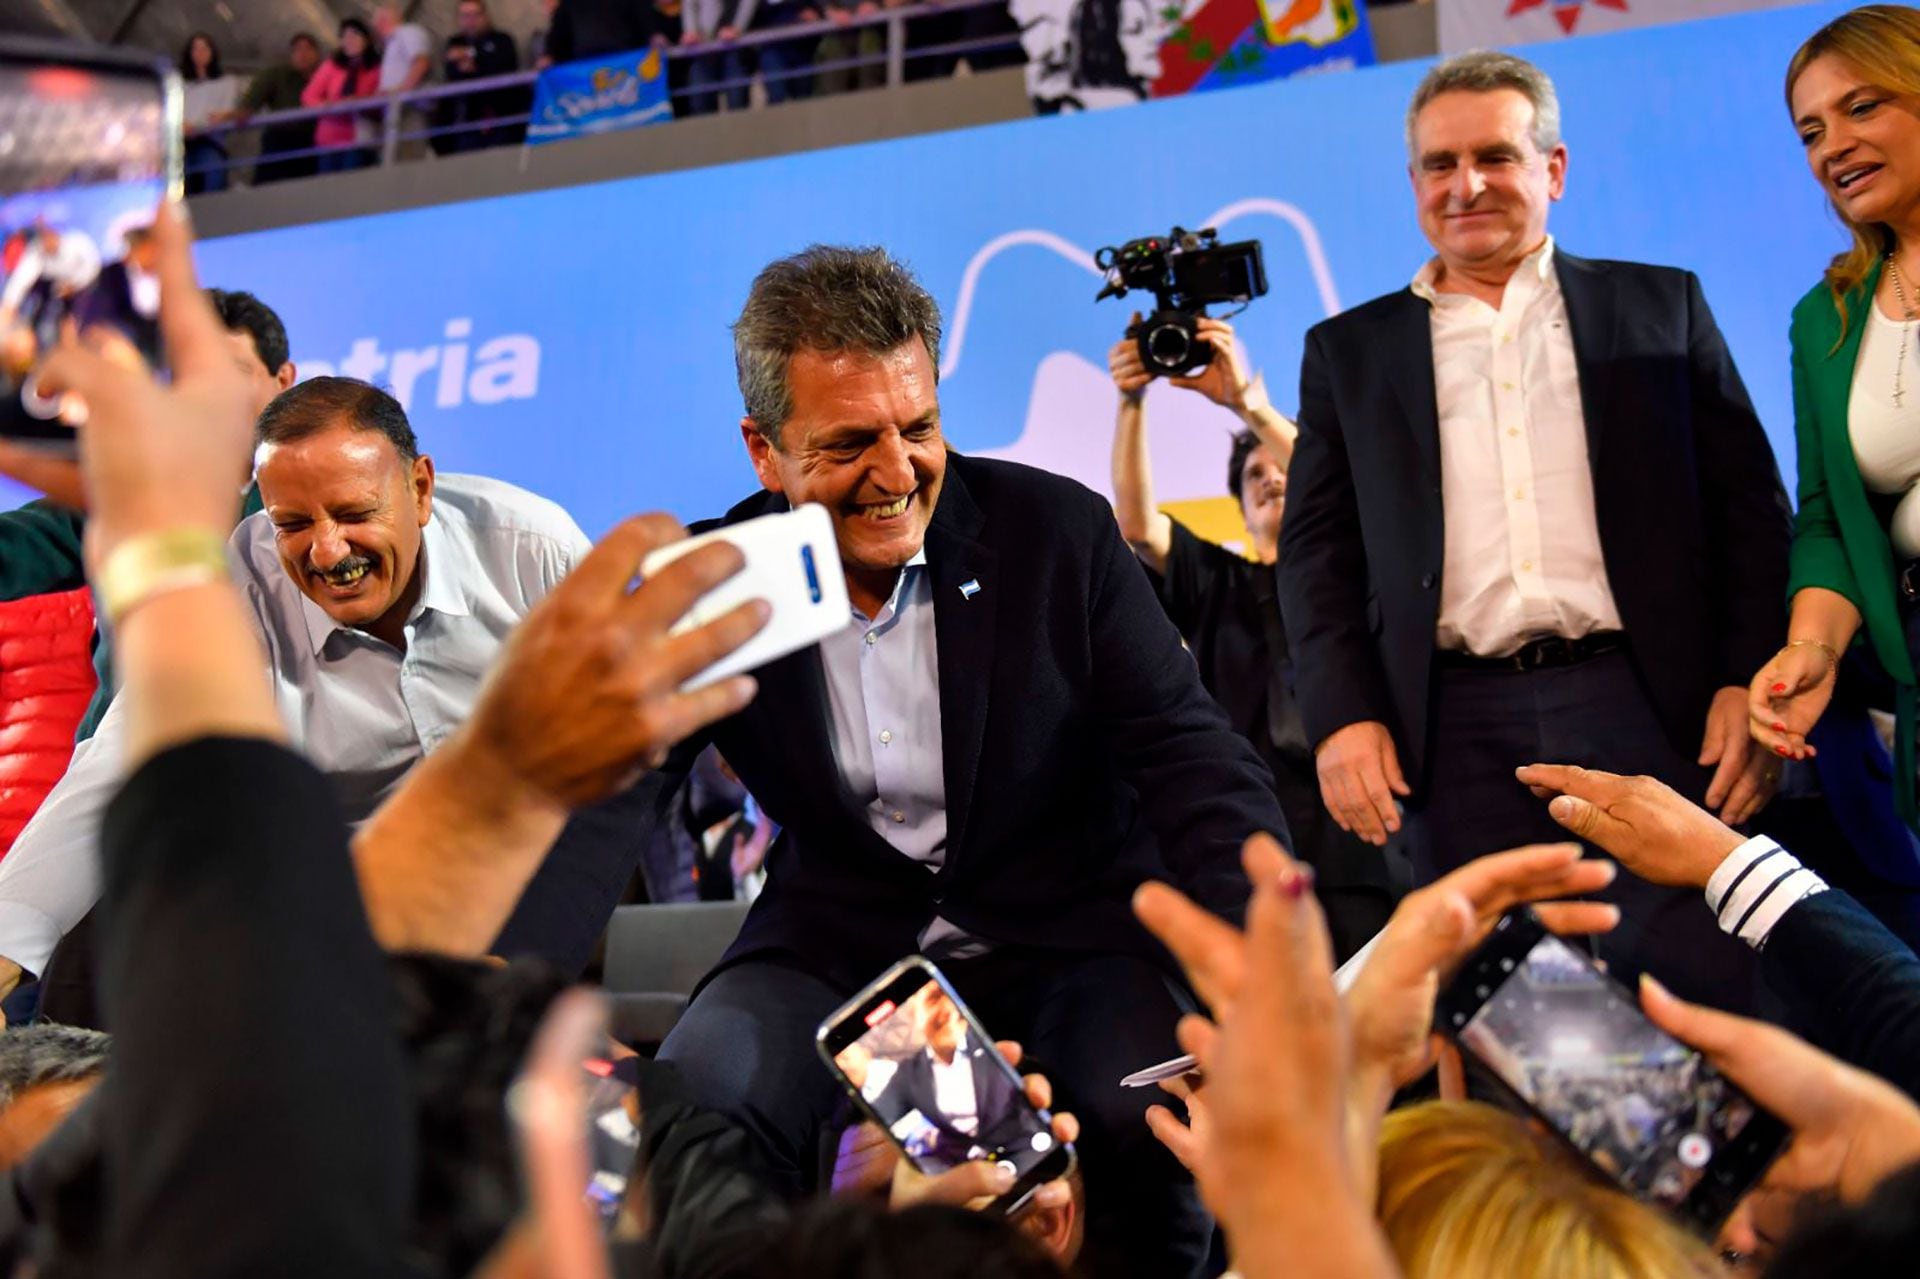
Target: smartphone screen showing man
column 87, row 153
column 934, row 1080
column 1645, row 1108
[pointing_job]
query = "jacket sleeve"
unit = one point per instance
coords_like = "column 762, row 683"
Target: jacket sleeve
column 1202, row 789
column 1819, row 558
column 1850, row 986
column 51, row 878
column 40, row 551
column 1323, row 570
column 1748, row 520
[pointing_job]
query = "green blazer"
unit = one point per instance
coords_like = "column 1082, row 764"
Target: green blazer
column 1839, row 541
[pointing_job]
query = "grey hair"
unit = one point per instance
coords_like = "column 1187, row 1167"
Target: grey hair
column 49, row 1054
column 1485, row 71
column 825, row 299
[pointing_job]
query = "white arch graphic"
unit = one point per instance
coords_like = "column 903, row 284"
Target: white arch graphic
column 970, row 278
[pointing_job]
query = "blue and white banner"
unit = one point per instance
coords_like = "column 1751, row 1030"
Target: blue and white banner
column 600, row 94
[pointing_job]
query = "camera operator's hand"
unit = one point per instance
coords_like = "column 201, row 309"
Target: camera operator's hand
column 1359, row 777
column 1224, row 380
column 1123, row 363
column 1850, row 1129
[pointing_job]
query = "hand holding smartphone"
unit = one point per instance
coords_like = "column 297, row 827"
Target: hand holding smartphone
column 793, row 563
column 1572, row 1046
column 921, row 1065
column 89, row 147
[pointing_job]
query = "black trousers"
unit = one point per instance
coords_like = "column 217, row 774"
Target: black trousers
column 746, row 1049
column 1596, row 714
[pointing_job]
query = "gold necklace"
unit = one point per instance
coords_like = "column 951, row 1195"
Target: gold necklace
column 1906, row 327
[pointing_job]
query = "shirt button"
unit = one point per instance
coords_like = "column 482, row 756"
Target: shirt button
column 1513, row 430
column 886, row 735
column 1506, row 386
column 1526, row 566
column 1426, row 581
column 1519, row 495
column 899, row 816
column 869, row 637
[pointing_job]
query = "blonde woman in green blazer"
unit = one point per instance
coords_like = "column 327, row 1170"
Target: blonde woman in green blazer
column 1854, row 92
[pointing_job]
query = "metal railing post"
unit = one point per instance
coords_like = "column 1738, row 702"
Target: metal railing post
column 896, row 49
column 390, row 131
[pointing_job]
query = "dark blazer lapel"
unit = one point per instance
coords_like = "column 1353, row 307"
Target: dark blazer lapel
column 1409, row 337
column 966, row 602
column 1591, row 310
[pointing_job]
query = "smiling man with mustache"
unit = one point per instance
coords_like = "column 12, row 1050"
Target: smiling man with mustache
column 382, row 592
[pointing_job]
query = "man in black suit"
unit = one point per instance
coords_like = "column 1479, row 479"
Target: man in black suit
column 1532, row 516
column 1003, row 743
column 959, row 1088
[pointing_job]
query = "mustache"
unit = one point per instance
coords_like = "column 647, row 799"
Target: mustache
column 346, row 566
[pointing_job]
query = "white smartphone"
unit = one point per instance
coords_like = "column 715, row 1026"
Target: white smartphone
column 793, row 563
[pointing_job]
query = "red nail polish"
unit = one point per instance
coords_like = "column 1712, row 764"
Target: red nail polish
column 1779, row 688
column 1779, row 728
column 1780, row 750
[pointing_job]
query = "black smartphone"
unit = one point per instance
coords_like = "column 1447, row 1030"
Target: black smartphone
column 923, row 1067
column 89, row 148
column 1572, row 1045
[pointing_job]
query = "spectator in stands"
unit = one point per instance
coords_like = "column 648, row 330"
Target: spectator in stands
column 406, row 62
column 1228, row 611
column 592, row 28
column 479, row 51
column 45, row 1072
column 537, row 55
column 382, row 593
column 709, row 76
column 867, row 46
column 994, row 37
column 1103, row 760
column 209, row 94
column 785, row 65
column 352, row 72
column 278, row 88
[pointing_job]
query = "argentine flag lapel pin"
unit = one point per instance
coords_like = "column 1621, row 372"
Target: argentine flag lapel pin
column 969, row 588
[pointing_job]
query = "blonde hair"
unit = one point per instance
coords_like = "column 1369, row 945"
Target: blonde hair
column 1467, row 1189
column 1880, row 43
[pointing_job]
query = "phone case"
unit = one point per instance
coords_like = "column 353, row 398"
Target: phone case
column 793, row 563
column 1023, row 1190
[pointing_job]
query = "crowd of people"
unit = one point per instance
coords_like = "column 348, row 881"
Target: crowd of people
column 1525, row 621
column 385, row 54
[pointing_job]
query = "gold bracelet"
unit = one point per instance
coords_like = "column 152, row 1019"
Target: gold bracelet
column 155, row 563
column 1833, row 658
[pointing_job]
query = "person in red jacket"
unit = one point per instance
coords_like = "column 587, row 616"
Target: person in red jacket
column 352, row 72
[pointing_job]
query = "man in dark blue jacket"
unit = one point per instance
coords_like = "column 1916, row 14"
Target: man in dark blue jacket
column 1002, row 744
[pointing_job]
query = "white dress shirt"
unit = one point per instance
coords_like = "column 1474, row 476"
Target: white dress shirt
column 1523, row 557
column 363, row 711
column 1886, row 443
column 1756, row 886
column 953, row 1091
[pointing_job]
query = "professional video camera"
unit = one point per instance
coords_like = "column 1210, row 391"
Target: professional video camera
column 1186, row 271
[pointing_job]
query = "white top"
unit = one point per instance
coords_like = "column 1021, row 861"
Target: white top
column 1886, row 440
column 408, row 41
column 1523, row 557
column 201, row 100
column 361, row 710
column 70, row 268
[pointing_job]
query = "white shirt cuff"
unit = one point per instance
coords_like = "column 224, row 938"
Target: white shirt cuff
column 1757, row 884
column 28, row 936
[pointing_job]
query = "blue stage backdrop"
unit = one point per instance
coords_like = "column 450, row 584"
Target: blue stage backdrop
column 576, row 341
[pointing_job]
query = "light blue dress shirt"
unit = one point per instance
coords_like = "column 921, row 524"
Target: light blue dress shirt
column 363, row 711
column 883, row 688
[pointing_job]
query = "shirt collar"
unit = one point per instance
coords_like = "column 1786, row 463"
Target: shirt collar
column 1539, row 263
column 439, row 590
